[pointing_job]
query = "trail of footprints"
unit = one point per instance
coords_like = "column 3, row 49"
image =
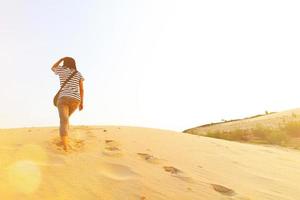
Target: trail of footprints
column 112, row 148
column 149, row 158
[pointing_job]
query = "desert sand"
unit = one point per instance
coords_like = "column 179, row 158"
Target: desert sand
column 120, row 163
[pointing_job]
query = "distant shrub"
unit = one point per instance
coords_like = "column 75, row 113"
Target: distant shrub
column 277, row 137
column 266, row 112
column 239, row 135
column 292, row 128
column 294, row 115
column 215, row 134
column 259, row 134
column 235, row 135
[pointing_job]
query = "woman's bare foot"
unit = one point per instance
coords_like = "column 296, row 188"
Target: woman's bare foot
column 64, row 140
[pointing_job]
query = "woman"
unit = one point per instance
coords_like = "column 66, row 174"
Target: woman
column 70, row 96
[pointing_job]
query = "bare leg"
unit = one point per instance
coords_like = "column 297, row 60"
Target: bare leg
column 73, row 105
column 66, row 107
column 63, row 110
column 64, row 140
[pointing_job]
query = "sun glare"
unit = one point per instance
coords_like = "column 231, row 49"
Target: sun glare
column 24, row 176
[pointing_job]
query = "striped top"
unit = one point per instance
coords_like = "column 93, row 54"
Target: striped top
column 71, row 89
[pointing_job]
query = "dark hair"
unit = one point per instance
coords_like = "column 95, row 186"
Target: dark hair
column 69, row 63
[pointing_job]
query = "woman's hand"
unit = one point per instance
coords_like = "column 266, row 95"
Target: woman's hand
column 80, row 106
column 57, row 63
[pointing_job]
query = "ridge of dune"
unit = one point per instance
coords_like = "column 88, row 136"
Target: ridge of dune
column 273, row 120
column 112, row 162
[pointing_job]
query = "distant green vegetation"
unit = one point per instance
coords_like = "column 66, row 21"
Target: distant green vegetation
column 287, row 135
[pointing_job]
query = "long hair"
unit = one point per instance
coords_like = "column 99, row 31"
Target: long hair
column 70, row 63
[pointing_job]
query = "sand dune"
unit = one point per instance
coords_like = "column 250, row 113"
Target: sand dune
column 122, row 163
column 272, row 120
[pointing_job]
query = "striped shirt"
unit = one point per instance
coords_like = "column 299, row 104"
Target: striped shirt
column 71, row 89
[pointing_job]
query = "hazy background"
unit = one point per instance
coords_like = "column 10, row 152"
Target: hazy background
column 170, row 64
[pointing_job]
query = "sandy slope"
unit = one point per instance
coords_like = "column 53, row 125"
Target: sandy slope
column 136, row 163
column 272, row 121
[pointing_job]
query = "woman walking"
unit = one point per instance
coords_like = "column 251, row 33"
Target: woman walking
column 70, row 96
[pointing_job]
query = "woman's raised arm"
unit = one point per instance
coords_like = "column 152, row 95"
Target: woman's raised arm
column 56, row 64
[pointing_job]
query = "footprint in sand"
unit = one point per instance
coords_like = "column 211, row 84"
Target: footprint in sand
column 112, row 145
column 112, row 148
column 149, row 158
column 90, row 134
column 178, row 174
column 172, row 170
column 223, row 190
column 74, row 145
column 117, row 172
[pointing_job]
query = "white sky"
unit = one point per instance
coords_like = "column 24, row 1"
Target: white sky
column 170, row 64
